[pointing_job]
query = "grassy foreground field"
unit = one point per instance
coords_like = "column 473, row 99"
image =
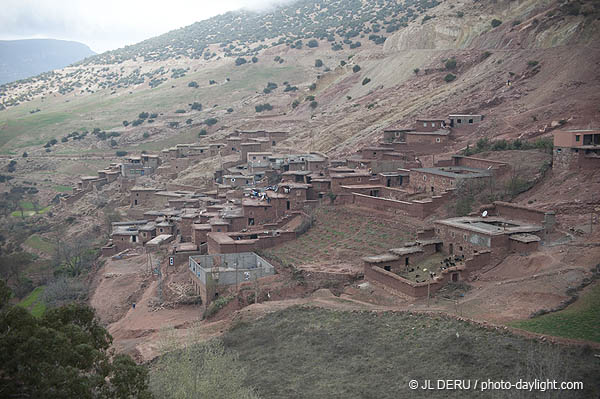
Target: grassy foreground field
column 581, row 320
column 317, row 353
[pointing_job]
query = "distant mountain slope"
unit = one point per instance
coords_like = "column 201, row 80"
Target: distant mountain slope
column 20, row 59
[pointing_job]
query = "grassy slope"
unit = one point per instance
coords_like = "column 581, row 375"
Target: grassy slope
column 34, row 303
column 310, row 353
column 61, row 115
column 581, row 320
column 39, row 243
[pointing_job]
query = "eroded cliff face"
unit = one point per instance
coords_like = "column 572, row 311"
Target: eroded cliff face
column 526, row 24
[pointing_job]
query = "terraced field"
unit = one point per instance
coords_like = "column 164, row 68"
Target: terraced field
column 342, row 234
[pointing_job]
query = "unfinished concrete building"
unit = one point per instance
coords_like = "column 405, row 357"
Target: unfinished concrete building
column 214, row 276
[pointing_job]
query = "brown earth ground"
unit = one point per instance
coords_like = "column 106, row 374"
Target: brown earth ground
column 512, row 290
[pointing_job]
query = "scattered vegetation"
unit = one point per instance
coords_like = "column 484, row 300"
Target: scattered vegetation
column 449, row 78
column 263, row 107
column 495, row 23
column 307, row 352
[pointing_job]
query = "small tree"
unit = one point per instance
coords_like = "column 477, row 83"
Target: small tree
column 314, row 104
column 202, row 132
column 211, row 121
column 240, row 61
column 25, row 155
column 318, row 63
column 416, row 71
column 449, row 78
column 312, row 43
column 356, row 68
column 196, row 106
column 450, row 64
column 495, row 23
column 125, row 123
column 254, row 60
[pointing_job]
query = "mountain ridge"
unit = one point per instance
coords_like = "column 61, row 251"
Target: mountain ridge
column 20, row 59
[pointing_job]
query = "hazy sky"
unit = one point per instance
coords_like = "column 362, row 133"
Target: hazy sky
column 109, row 24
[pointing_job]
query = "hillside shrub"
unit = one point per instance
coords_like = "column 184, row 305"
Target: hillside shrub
column 263, row 107
column 254, row 60
column 449, row 78
column 143, row 115
column 202, row 132
column 240, row 61
column 196, row 106
column 193, row 84
column 312, row 86
column 495, row 23
column 416, row 71
column 365, row 81
column 188, row 121
column 229, row 110
column 125, row 123
column 355, row 68
column 314, row 104
column 450, row 64
column 211, row 121
column 121, row 153
column 318, row 63
column 146, row 135
column 180, row 111
column 312, row 43
column 532, row 63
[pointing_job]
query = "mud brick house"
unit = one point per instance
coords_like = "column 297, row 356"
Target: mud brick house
column 199, row 233
column 143, row 196
column 126, row 234
column 215, row 275
column 421, row 268
column 233, row 145
column 247, row 147
column 348, row 179
column 440, row 179
column 297, row 194
column 147, row 232
column 296, row 176
column 464, row 122
column 497, row 168
column 394, row 179
column 576, row 150
column 238, row 180
column 427, row 135
column 136, row 166
column 258, row 161
column 235, row 242
column 501, row 235
column 258, row 212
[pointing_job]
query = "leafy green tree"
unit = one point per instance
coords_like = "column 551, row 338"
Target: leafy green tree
column 63, row 354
